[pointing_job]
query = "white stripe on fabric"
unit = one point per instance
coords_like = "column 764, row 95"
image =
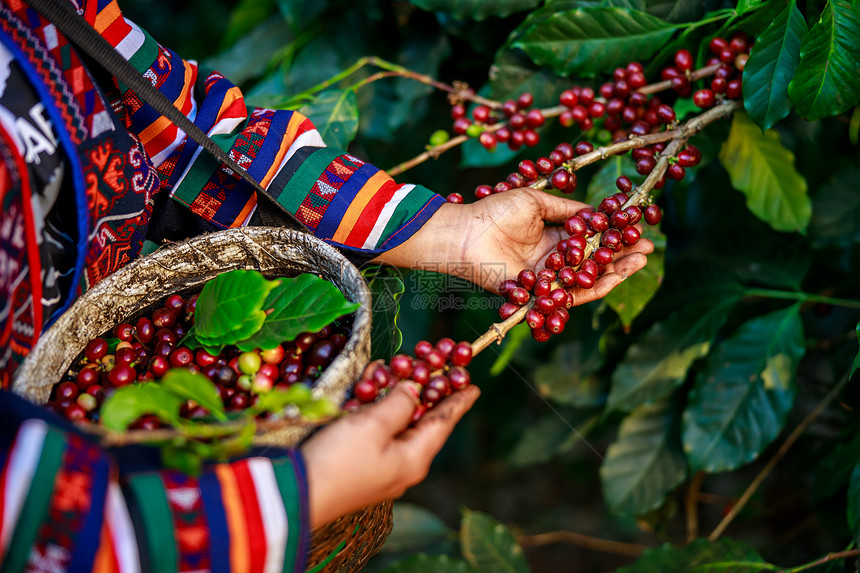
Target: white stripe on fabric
column 132, row 41
column 121, row 530
column 385, row 216
column 23, row 460
column 162, row 155
column 187, row 169
column 272, row 512
column 309, row 138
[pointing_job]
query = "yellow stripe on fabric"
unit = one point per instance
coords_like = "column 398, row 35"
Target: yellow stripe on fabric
column 107, row 16
column 239, row 558
column 162, row 123
column 362, row 198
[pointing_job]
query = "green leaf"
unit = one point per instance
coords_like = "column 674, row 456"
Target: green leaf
column 278, row 399
column 658, row 362
column 853, row 512
column 423, row 563
column 856, row 364
column 630, row 297
column 589, row 41
column 414, row 528
column 182, row 459
column 230, row 307
column 249, row 57
column 489, row 546
column 569, row 377
column 836, row 211
column 645, row 463
column 602, row 184
column 741, row 399
column 476, row 9
column 129, row 403
column 335, row 115
column 245, row 16
column 319, row 409
column 305, row 303
column 700, row 552
column 190, row 386
column 551, row 436
column 745, row 6
column 386, row 288
column 833, row 470
column 763, row 170
column 826, row 81
column 771, row 66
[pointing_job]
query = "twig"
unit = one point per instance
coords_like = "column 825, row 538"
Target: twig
column 691, row 502
column 783, row 449
column 582, row 540
column 827, row 558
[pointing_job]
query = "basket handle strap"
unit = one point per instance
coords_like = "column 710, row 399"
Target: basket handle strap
column 63, row 15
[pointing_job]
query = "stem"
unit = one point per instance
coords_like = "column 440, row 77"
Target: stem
column 497, row 331
column 582, row 540
column 783, row 449
column 691, row 502
column 802, row 296
column 827, row 558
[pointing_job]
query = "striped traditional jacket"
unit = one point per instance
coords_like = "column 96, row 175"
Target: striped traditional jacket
column 128, row 176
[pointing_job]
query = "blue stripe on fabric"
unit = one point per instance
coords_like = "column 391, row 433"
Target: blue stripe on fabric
column 412, row 225
column 298, row 463
column 82, row 211
column 209, row 104
column 216, row 519
column 87, row 538
column 236, row 200
column 171, row 88
column 343, row 199
column 271, row 145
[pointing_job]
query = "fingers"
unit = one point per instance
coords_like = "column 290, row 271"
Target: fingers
column 393, row 413
column 426, row 438
column 555, row 209
column 621, row 269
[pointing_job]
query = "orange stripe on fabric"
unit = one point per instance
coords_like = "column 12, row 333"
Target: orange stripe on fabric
column 253, row 519
column 159, row 133
column 155, row 129
column 246, row 211
column 105, row 561
column 232, row 500
column 232, row 106
column 358, row 204
column 290, row 135
column 106, row 17
column 370, row 214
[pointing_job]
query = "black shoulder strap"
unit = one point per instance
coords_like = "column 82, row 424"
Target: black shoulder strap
column 62, row 14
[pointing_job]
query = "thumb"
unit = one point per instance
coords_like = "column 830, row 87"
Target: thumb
column 394, row 412
column 555, row 209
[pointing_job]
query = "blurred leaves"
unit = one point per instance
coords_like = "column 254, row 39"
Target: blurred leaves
column 476, row 9
column 763, row 170
column 836, row 211
column 489, row 546
column 741, row 399
column 701, row 555
column 386, row 288
column 335, row 115
column 630, row 297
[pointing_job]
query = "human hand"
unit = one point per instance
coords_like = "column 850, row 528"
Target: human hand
column 513, row 230
column 373, row 455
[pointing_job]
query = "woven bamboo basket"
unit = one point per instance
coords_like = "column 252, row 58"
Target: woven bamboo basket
column 182, row 268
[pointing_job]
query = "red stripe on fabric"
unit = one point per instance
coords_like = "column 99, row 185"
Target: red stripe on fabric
column 256, row 534
column 370, row 214
column 117, row 31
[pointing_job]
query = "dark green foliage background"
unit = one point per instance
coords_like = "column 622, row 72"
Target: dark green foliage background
column 704, row 363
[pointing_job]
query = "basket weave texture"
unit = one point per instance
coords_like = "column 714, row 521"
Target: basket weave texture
column 346, row 544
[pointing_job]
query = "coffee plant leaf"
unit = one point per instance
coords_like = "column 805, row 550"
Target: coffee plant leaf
column 826, row 81
column 190, row 386
column 588, row 41
column 725, row 554
column 129, row 403
column 513, row 73
column 539, row 442
column 630, row 297
column 415, row 528
column 277, row 399
column 836, row 211
column 645, row 462
column 763, row 170
column 473, row 154
column 602, row 184
column 658, row 362
column 853, row 511
column 230, row 307
column 771, row 66
column 245, row 17
column 335, row 115
column 305, row 303
column 569, row 377
column 514, row 339
column 386, row 289
column 833, row 469
column 476, row 9
column 423, row 563
column 249, row 56
column 489, row 546
column 741, row 399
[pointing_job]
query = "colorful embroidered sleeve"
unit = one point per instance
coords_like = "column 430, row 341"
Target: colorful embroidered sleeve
column 342, row 199
column 65, row 507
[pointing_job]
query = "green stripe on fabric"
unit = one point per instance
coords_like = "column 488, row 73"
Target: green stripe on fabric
column 151, row 501
column 305, row 176
column 204, row 167
column 145, row 55
column 285, row 475
column 35, row 509
column 405, row 210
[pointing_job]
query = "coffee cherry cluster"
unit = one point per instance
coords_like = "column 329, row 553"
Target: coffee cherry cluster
column 514, row 124
column 150, row 346
column 602, row 232
column 731, row 56
column 440, row 369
